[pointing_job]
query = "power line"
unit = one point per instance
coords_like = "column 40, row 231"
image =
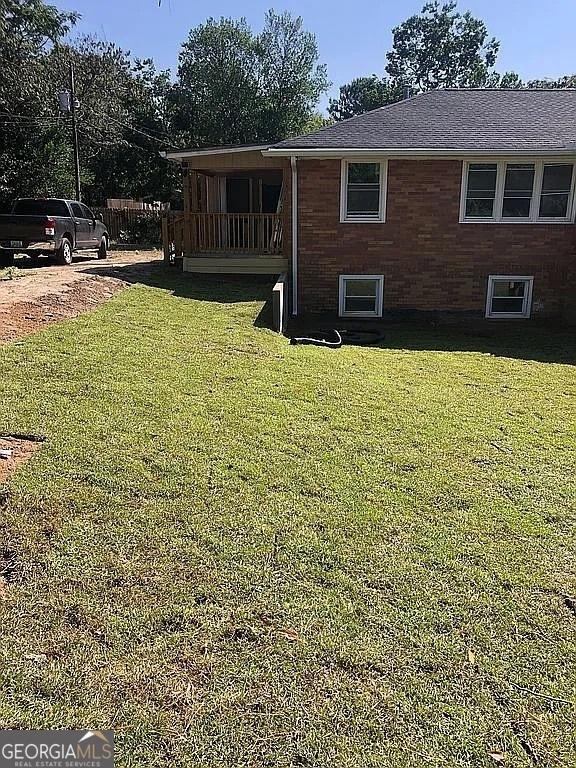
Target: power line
column 30, row 119
column 148, row 131
column 124, row 142
column 164, row 142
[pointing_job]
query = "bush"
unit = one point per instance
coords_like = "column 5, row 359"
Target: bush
column 145, row 230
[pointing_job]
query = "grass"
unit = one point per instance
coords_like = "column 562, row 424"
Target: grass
column 235, row 552
column 10, row 273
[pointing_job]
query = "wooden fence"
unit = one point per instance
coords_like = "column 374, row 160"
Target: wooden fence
column 129, row 222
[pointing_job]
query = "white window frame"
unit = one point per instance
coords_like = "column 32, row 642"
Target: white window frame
column 527, row 305
column 534, row 218
column 379, row 217
column 342, row 295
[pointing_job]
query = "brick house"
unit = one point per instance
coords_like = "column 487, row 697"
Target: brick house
column 458, row 201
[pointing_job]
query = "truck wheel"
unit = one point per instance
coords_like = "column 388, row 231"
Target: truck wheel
column 64, row 253
column 6, row 259
column 103, row 249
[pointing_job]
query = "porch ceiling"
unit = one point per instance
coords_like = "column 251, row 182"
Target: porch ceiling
column 273, row 175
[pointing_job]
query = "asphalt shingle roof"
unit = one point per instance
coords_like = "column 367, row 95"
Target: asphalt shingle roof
column 474, row 119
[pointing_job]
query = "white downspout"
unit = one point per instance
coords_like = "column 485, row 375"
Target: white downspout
column 294, row 235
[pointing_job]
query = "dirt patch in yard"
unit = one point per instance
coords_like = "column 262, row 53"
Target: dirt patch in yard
column 25, row 317
column 39, row 296
column 15, row 450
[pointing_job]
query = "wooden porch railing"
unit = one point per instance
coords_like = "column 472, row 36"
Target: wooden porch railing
column 237, row 233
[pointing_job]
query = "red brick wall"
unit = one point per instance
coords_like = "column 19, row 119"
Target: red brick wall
column 428, row 259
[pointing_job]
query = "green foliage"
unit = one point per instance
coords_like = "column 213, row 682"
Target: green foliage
column 567, row 81
column 363, row 94
column 217, row 89
column 316, row 122
column 291, row 80
column 235, row 86
column 27, row 27
column 122, row 120
column 32, row 160
column 144, row 230
column 509, row 80
column 441, row 48
column 114, row 93
column 10, row 273
column 437, row 48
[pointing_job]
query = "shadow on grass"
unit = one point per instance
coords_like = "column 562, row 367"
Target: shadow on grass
column 544, row 341
column 538, row 340
column 221, row 289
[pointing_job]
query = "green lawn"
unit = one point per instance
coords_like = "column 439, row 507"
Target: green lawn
column 235, row 552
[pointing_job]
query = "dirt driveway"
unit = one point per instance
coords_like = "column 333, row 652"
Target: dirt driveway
column 39, row 295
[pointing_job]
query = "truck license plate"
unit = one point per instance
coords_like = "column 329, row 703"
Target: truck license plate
column 15, row 243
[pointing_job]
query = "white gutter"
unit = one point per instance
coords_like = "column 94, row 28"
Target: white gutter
column 181, row 154
column 420, row 152
column 294, row 166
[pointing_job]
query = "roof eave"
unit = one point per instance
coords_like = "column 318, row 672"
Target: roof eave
column 420, row 152
column 184, row 153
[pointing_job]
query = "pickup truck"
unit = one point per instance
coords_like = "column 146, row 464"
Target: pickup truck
column 53, row 227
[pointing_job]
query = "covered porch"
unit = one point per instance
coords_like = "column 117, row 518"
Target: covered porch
column 234, row 218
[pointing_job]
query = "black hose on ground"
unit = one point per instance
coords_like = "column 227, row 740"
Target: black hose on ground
column 319, row 339
column 334, row 339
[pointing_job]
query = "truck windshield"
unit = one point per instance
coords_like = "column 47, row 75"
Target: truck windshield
column 40, row 208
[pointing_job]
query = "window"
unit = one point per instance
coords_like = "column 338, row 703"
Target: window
column 40, row 207
column 509, row 296
column 518, row 188
column 86, row 212
column 361, row 295
column 481, row 191
column 76, row 210
column 555, row 194
column 538, row 191
column 363, row 191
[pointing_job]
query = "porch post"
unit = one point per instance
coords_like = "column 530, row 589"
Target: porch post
column 189, row 190
column 165, row 240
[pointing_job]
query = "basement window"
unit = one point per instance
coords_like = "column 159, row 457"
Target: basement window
column 361, row 295
column 509, row 296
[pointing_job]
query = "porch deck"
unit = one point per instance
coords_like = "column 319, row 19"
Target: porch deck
column 250, row 243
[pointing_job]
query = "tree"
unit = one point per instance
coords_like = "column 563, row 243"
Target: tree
column 234, row 86
column 438, row 48
column 316, row 122
column 122, row 120
column 441, row 48
column 567, row 81
column 291, row 80
column 32, row 154
column 507, row 80
column 122, row 117
column 217, row 89
column 363, row 94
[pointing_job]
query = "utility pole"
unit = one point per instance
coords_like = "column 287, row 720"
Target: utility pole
column 74, row 132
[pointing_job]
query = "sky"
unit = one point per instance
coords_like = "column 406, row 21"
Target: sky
column 537, row 38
